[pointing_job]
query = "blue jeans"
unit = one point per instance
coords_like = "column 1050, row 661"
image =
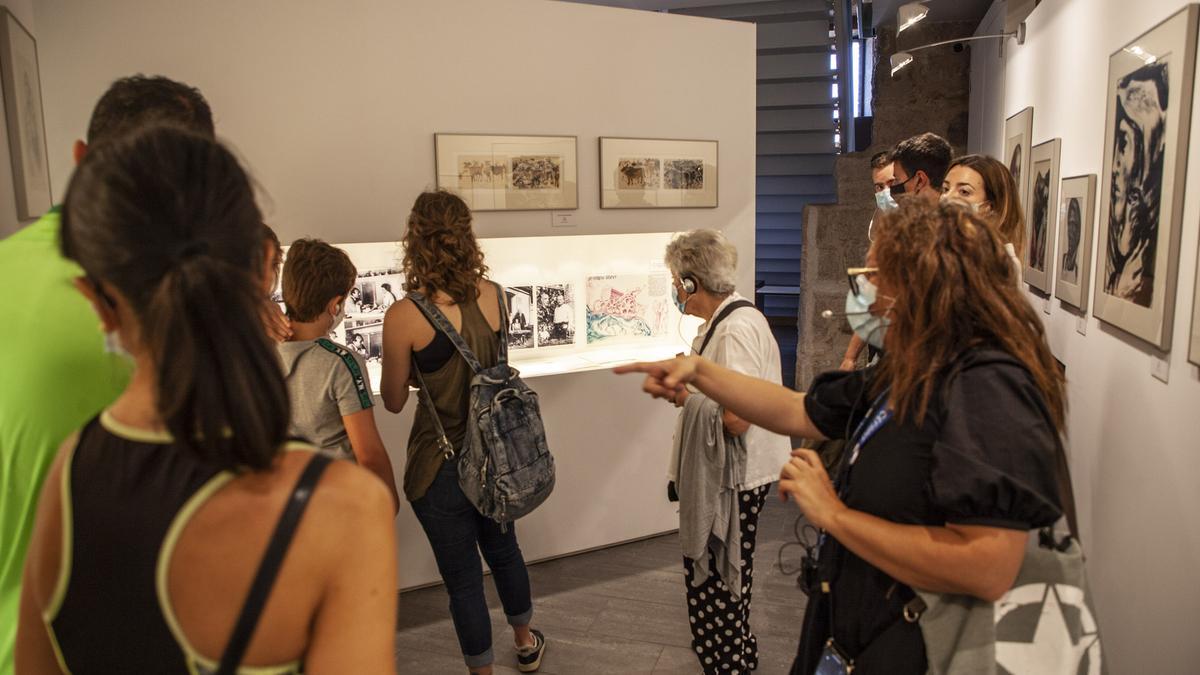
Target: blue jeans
column 458, row 533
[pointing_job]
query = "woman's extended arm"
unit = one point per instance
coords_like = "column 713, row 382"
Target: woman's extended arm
column 761, row 403
column 966, row 559
column 397, row 359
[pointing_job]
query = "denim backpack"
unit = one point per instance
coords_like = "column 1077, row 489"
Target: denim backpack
column 504, row 466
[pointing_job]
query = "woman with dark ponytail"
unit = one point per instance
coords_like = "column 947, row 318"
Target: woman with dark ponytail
column 159, row 510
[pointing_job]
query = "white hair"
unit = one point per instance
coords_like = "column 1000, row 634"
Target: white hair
column 706, row 256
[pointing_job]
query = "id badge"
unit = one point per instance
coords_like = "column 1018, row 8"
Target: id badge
column 833, row 661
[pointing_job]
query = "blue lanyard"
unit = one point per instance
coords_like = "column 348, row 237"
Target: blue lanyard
column 880, row 415
column 877, row 416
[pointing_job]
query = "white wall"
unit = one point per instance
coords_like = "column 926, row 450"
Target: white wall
column 986, row 124
column 334, row 107
column 1134, row 439
column 23, row 10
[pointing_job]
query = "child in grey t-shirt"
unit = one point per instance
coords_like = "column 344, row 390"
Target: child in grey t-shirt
column 327, row 382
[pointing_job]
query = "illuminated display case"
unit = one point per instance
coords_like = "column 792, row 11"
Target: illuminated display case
column 575, row 303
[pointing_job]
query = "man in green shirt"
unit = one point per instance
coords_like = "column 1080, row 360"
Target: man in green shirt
column 57, row 369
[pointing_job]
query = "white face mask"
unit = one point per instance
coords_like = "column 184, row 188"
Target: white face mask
column 885, row 201
column 975, row 207
column 338, row 318
column 113, row 345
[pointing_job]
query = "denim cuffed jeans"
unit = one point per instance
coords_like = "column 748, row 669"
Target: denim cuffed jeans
column 458, row 533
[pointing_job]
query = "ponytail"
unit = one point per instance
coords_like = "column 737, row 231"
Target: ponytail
column 221, row 392
column 168, row 219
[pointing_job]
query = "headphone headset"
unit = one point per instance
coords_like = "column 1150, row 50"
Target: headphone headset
column 688, row 284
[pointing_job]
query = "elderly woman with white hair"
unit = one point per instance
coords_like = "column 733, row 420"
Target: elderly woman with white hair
column 721, row 466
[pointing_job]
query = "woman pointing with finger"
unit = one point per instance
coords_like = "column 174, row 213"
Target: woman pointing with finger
column 952, row 438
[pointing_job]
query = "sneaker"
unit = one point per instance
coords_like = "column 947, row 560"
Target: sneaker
column 529, row 659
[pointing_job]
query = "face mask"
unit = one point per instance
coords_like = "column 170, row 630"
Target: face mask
column 113, row 345
column 885, row 201
column 866, row 325
column 338, row 318
column 681, row 305
column 975, row 207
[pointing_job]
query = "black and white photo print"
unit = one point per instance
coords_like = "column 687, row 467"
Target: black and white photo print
column 521, row 318
column 555, row 315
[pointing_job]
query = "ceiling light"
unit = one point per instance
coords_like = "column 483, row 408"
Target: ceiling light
column 899, row 60
column 909, row 15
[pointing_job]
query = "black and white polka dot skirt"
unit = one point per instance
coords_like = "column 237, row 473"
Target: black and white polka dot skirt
column 721, row 635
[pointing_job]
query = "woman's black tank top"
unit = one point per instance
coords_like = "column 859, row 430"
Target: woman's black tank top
column 126, row 496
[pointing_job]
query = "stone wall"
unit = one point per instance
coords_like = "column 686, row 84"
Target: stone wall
column 931, row 94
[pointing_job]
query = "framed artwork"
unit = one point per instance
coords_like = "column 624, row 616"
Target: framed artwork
column 646, row 173
column 1018, row 137
column 508, row 173
column 1194, row 346
column 23, row 110
column 1076, row 215
column 1041, row 219
column 1148, row 122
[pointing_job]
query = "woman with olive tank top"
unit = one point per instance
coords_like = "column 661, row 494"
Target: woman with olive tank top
column 443, row 261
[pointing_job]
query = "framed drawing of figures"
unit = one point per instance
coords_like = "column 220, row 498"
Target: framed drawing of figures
column 1041, row 218
column 1018, row 137
column 642, row 173
column 23, row 110
column 508, row 173
column 1148, row 120
column 1076, row 215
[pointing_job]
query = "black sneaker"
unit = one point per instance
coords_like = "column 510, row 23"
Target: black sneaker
column 529, row 659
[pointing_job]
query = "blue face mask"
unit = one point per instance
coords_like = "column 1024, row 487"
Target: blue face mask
column 866, row 325
column 681, row 305
column 885, row 201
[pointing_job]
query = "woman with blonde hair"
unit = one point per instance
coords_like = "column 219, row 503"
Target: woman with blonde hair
column 953, row 438
column 443, row 261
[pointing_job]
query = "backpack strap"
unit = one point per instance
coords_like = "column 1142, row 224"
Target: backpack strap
column 360, row 382
column 729, row 309
column 272, row 560
column 427, row 401
column 440, row 323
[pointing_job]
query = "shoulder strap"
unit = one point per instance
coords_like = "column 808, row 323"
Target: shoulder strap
column 729, row 309
column 272, row 560
column 427, row 400
column 1066, row 491
column 442, row 324
column 360, row 382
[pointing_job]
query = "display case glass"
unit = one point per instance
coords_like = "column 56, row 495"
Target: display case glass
column 575, row 303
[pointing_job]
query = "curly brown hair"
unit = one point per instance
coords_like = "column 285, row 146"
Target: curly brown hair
column 313, row 274
column 1001, row 190
column 954, row 290
column 440, row 250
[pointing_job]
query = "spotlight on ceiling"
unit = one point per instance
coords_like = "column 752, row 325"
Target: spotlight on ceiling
column 900, row 60
column 909, row 15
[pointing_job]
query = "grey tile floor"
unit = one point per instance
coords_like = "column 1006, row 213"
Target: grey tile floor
column 619, row 610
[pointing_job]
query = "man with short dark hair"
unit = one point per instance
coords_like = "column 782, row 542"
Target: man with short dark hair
column 881, row 171
column 919, row 166
column 59, row 369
